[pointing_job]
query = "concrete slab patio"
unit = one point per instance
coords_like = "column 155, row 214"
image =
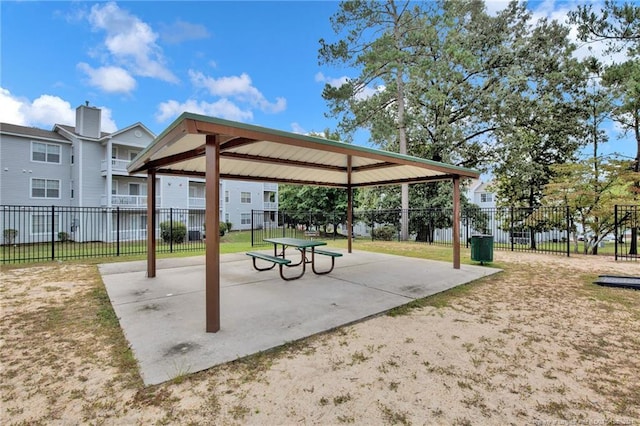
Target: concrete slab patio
column 163, row 318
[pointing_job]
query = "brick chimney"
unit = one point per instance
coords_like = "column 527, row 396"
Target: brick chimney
column 88, row 121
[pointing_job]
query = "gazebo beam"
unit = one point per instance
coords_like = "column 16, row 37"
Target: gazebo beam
column 456, row 222
column 349, row 205
column 212, row 224
column 151, row 223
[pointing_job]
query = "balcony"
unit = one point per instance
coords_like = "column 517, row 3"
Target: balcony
column 270, row 186
column 270, row 205
column 197, row 202
column 117, row 166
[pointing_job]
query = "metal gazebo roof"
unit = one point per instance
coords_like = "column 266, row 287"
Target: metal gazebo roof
column 255, row 153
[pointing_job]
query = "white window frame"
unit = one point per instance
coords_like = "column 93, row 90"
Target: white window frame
column 243, row 217
column 135, row 153
column 46, row 152
column 486, row 197
column 134, row 185
column 226, row 196
column 243, row 197
column 46, row 182
column 47, row 224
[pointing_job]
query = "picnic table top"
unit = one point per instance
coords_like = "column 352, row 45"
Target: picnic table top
column 295, row 242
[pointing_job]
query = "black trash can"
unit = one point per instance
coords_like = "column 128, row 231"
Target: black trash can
column 482, row 248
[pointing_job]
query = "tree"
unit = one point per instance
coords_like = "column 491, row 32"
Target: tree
column 375, row 42
column 541, row 119
column 590, row 201
column 427, row 82
column 617, row 24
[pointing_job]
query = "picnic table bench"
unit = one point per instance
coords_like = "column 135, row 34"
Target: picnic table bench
column 275, row 260
column 279, row 258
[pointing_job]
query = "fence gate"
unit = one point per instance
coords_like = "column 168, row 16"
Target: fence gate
column 627, row 222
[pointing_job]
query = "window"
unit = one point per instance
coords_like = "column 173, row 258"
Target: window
column 41, row 223
column 227, row 218
column 132, row 155
column 114, row 152
column 486, row 197
column 45, row 188
column 71, row 187
column 226, row 196
column 134, row 189
column 45, row 152
column 245, row 197
column 245, row 218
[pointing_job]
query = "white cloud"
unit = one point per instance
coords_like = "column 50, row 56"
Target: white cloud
column 109, row 79
column 44, row 111
column 11, row 108
column 237, row 87
column 130, row 43
column 222, row 108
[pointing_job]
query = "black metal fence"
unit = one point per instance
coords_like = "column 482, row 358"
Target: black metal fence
column 627, row 222
column 542, row 229
column 40, row 233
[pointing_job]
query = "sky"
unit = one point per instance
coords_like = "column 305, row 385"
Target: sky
column 148, row 61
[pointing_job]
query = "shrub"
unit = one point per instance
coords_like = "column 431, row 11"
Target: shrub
column 384, row 233
column 10, row 235
column 177, row 235
column 63, row 237
column 229, row 226
column 224, row 227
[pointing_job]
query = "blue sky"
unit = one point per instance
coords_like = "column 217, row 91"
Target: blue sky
column 255, row 62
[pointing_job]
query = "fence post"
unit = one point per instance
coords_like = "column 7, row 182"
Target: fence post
column 252, row 229
column 170, row 229
column 568, row 231
column 511, row 229
column 615, row 230
column 118, row 231
column 372, row 225
column 53, row 232
column 466, row 219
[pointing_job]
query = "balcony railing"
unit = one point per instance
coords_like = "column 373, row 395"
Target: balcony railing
column 126, row 200
column 269, row 205
column 116, row 165
column 196, row 202
column 270, row 186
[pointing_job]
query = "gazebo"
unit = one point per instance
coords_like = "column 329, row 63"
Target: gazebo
column 212, row 148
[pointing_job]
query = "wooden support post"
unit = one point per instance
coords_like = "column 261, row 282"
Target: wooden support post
column 212, row 224
column 151, row 223
column 349, row 206
column 456, row 222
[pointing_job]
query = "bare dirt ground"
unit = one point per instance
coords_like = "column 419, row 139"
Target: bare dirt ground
column 536, row 344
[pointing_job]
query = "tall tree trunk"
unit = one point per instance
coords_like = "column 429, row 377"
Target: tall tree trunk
column 402, row 133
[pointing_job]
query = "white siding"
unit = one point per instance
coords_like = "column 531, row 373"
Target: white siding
column 17, row 170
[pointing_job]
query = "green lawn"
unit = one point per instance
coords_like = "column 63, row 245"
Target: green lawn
column 233, row 242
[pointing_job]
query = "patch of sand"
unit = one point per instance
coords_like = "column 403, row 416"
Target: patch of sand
column 536, row 344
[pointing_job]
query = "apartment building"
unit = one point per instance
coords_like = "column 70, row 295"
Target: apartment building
column 80, row 166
